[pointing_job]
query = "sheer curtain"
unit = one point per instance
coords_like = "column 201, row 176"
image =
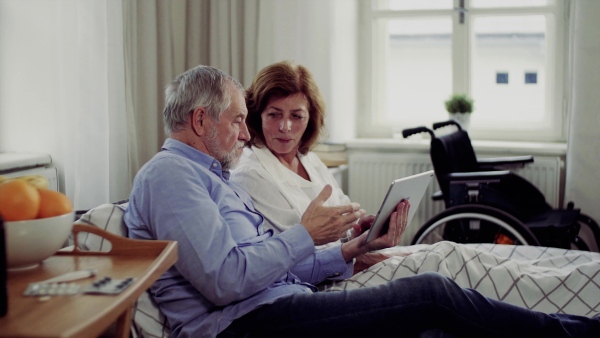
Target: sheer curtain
column 93, row 138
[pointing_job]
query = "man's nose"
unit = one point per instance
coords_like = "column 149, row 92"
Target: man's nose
column 244, row 133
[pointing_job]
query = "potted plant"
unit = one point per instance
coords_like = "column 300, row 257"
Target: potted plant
column 460, row 107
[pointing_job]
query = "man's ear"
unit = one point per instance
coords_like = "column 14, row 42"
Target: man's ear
column 198, row 120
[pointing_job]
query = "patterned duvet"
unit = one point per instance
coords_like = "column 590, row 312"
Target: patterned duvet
column 539, row 278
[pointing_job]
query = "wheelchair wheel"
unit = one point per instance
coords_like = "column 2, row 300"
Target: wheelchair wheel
column 474, row 223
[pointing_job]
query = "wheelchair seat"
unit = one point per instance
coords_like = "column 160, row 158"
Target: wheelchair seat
column 520, row 213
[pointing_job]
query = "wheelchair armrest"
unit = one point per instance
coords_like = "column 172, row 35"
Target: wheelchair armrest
column 466, row 187
column 505, row 161
column 477, row 177
column 437, row 196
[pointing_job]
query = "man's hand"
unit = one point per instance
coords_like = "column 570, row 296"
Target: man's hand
column 328, row 224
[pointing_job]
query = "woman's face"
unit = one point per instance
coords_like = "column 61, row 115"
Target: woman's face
column 284, row 121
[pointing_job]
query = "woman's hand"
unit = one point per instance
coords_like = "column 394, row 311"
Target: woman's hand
column 369, row 259
column 397, row 225
column 362, row 226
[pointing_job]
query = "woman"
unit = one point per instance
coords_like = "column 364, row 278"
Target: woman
column 285, row 118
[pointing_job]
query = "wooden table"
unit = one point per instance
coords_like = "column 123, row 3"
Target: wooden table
column 85, row 315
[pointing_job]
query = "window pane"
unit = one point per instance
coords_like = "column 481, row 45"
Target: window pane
column 413, row 5
column 415, row 70
column 531, row 77
column 510, row 3
column 503, row 49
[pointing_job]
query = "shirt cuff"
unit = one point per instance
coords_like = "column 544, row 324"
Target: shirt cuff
column 337, row 268
column 299, row 240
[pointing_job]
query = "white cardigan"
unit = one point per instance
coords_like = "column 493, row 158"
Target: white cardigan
column 279, row 194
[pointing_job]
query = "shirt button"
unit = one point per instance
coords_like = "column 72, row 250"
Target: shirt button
column 214, row 164
column 337, row 274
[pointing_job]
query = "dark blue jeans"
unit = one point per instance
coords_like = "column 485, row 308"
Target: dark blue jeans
column 428, row 304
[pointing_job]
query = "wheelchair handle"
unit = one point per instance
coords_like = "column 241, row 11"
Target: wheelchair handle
column 452, row 122
column 411, row 131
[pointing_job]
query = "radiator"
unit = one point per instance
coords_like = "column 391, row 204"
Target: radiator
column 370, row 174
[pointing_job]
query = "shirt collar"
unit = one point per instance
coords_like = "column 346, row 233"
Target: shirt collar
column 197, row 156
column 278, row 171
column 271, row 164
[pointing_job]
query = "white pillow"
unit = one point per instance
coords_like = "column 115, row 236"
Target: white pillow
column 148, row 321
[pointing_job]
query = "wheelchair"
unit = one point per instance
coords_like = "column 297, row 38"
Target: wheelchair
column 485, row 202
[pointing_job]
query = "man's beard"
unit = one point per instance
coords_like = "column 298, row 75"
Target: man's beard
column 227, row 159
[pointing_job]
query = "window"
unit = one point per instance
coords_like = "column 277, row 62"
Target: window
column 418, row 53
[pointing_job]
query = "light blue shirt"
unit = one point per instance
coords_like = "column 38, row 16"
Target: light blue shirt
column 228, row 265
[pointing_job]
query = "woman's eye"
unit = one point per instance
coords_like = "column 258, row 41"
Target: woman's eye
column 298, row 117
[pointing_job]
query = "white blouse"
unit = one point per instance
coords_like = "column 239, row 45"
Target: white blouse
column 279, row 194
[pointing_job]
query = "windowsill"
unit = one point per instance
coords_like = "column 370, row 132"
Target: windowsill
column 488, row 147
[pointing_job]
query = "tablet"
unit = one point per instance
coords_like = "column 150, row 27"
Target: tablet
column 411, row 188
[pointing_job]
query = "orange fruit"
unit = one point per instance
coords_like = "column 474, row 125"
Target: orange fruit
column 53, row 203
column 19, row 201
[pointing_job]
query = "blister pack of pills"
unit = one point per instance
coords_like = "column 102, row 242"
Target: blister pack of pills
column 108, row 286
column 51, row 289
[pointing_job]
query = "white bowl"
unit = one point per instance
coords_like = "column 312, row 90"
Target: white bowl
column 30, row 242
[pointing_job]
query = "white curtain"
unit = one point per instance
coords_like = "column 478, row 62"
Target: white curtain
column 583, row 154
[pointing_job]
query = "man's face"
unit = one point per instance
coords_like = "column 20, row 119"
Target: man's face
column 225, row 139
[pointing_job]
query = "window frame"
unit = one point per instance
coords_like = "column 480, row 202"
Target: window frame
column 556, row 95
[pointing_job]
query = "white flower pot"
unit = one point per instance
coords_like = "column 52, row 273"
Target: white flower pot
column 463, row 119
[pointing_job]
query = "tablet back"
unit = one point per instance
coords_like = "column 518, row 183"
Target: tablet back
column 411, row 188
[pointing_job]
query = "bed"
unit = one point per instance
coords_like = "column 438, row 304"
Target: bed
column 539, row 278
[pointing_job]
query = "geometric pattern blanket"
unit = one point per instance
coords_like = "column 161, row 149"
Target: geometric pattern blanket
column 549, row 280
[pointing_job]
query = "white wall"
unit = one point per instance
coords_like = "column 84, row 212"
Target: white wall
column 343, row 102
column 28, row 77
column 320, row 35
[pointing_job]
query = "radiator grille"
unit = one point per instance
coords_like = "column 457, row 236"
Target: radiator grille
column 371, row 173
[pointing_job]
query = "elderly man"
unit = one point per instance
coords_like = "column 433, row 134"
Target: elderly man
column 234, row 279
